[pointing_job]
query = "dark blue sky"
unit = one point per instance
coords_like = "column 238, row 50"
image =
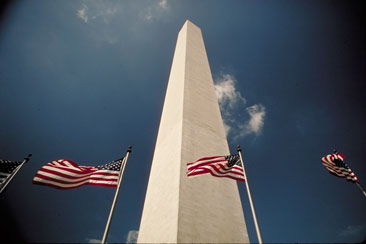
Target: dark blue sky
column 82, row 80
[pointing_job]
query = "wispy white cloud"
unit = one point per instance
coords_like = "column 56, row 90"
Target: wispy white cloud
column 226, row 92
column 148, row 14
column 227, row 128
column 353, row 231
column 97, row 10
column 255, row 124
column 132, row 236
column 155, row 11
column 101, row 18
column 91, row 240
column 163, row 4
column 232, row 105
column 82, row 13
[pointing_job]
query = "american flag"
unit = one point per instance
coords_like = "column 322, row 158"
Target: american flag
column 336, row 166
column 6, row 169
column 218, row 166
column 65, row 174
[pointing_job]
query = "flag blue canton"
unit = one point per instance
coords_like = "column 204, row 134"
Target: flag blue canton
column 233, row 160
column 340, row 163
column 114, row 165
column 6, row 169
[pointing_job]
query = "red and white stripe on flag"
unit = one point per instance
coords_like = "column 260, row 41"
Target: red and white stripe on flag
column 65, row 174
column 338, row 170
column 217, row 166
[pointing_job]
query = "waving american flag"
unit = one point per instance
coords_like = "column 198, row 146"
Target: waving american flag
column 218, row 166
column 336, row 166
column 65, row 174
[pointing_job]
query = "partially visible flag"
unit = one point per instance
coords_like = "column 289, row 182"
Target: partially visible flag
column 218, row 166
column 6, row 169
column 65, row 174
column 336, row 166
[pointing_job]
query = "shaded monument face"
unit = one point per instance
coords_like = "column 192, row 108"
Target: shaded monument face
column 202, row 209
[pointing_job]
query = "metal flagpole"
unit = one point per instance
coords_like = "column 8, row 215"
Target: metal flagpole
column 26, row 159
column 250, row 198
column 360, row 187
column 116, row 194
column 358, row 184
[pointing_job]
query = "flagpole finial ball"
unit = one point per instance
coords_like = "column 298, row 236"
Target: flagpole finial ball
column 238, row 148
column 334, row 150
column 129, row 149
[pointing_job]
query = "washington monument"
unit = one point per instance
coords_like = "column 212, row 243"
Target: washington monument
column 202, row 209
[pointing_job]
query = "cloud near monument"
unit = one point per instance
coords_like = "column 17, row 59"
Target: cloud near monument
column 132, row 236
column 232, row 103
column 226, row 92
column 255, row 124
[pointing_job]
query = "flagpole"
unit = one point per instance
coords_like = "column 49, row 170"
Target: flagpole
column 357, row 183
column 250, row 198
column 360, row 187
column 26, row 159
column 124, row 162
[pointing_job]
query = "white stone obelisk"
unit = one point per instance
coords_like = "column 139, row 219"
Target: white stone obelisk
column 202, row 209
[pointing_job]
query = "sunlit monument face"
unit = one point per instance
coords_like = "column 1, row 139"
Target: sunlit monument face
column 202, row 209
